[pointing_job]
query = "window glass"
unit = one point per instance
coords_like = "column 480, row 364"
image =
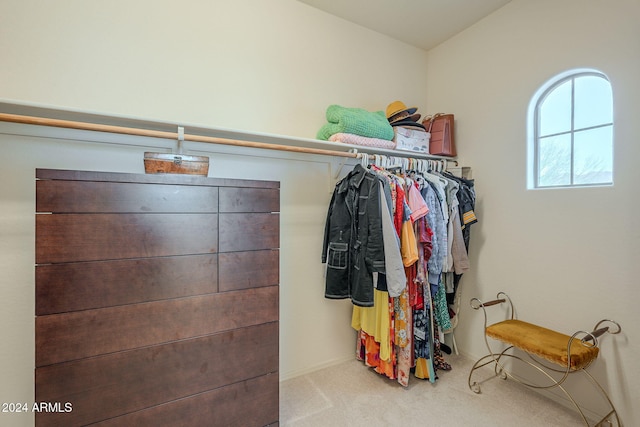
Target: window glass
column 555, row 160
column 571, row 132
column 593, row 104
column 555, row 111
column 593, row 156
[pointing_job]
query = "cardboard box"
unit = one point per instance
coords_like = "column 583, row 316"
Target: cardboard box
column 408, row 139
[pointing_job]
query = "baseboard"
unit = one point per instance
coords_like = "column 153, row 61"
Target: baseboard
column 564, row 401
column 287, row 375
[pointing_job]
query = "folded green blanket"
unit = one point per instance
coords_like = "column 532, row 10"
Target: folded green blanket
column 356, row 121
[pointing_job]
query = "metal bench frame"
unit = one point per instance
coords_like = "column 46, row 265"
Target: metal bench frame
column 496, row 358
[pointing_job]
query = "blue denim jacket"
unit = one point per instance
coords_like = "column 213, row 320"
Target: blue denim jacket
column 353, row 243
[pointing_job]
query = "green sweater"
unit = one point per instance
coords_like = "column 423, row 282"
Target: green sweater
column 356, row 121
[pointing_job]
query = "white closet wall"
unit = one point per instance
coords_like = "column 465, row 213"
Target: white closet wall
column 269, row 67
column 274, row 67
column 259, row 66
column 567, row 257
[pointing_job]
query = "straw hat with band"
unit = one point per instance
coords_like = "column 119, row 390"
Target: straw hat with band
column 398, row 106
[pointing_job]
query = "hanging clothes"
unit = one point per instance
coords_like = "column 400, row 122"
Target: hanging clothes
column 353, row 246
column 467, row 198
column 417, row 226
column 395, row 277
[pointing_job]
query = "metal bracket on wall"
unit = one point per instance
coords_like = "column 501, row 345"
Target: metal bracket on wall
column 334, row 174
column 343, row 161
column 180, row 139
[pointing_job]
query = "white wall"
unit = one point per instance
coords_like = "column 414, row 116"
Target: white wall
column 253, row 65
column 568, row 257
column 248, row 64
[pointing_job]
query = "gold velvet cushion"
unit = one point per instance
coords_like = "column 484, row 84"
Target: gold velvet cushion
column 543, row 342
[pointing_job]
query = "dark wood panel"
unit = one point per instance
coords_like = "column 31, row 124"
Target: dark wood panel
column 102, row 197
column 151, row 178
column 130, row 328
column 81, row 286
column 246, row 404
column 91, row 237
column 251, row 231
column 249, row 200
column 104, row 387
column 72, row 336
column 244, row 270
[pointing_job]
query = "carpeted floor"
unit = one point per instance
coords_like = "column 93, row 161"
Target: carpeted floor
column 349, row 394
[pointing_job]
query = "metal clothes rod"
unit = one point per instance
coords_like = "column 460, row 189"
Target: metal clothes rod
column 40, row 121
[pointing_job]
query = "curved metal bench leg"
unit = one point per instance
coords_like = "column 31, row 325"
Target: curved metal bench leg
column 613, row 413
column 503, row 373
column 475, row 386
column 608, row 417
column 484, row 361
column 588, row 339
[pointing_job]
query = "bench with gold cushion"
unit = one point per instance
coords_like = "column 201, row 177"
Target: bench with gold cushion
column 544, row 343
column 572, row 353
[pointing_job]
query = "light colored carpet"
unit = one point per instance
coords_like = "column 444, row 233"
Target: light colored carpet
column 350, row 394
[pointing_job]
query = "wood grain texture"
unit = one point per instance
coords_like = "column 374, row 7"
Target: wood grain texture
column 249, row 200
column 141, row 320
column 72, row 175
column 104, row 387
column 251, row 403
column 116, row 197
column 73, row 336
column 82, row 286
column 80, row 237
column 249, row 231
column 245, row 270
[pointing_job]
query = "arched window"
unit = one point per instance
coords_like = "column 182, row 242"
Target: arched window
column 571, row 132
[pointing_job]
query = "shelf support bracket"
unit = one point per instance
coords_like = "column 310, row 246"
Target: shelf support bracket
column 180, row 139
column 343, row 161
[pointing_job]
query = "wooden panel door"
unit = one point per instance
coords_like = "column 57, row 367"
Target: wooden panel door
column 156, row 300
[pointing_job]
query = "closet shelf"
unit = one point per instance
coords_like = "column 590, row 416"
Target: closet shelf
column 55, row 117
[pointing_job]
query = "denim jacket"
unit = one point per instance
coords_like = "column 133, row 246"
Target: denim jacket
column 353, row 244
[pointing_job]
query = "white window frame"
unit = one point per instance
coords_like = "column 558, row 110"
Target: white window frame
column 533, row 127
